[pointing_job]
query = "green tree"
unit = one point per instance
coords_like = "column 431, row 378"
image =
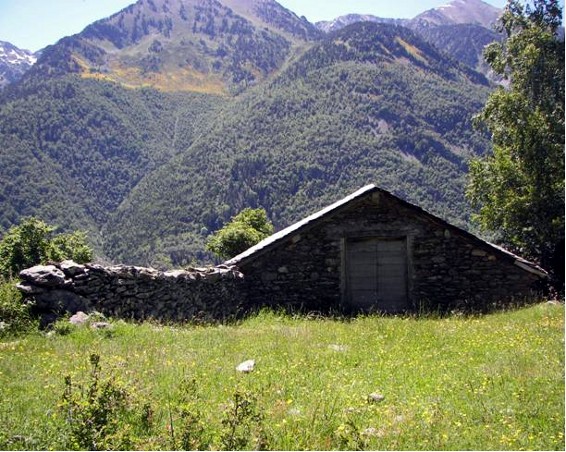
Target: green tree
column 518, row 190
column 73, row 246
column 244, row 230
column 33, row 242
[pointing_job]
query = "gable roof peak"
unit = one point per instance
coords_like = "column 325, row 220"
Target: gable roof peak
column 265, row 243
column 313, row 219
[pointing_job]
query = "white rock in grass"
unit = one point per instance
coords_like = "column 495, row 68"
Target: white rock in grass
column 376, row 397
column 294, row 412
column 246, row 366
column 100, row 325
column 80, row 318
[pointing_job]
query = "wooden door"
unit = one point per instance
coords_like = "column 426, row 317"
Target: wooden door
column 377, row 275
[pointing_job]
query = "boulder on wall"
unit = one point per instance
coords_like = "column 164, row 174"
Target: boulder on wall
column 44, row 275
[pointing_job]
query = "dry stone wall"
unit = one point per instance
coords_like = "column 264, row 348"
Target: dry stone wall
column 139, row 293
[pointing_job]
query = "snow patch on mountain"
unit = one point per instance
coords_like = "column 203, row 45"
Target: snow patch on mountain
column 14, row 62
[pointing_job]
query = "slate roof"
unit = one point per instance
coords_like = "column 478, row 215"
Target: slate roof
column 312, row 220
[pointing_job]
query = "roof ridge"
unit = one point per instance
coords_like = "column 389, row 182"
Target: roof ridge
column 299, row 224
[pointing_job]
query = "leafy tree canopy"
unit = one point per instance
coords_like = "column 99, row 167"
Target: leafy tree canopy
column 32, row 242
column 519, row 189
column 246, row 229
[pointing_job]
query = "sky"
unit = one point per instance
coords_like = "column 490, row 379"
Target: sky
column 34, row 24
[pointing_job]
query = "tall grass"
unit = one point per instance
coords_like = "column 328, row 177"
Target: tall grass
column 15, row 318
column 492, row 383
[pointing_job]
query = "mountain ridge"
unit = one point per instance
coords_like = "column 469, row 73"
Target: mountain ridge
column 475, row 12
column 461, row 29
column 137, row 46
column 182, row 45
column 328, row 26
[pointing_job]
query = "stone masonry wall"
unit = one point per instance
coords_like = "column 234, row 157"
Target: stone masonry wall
column 447, row 269
column 134, row 292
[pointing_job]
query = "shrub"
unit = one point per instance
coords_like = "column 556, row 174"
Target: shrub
column 93, row 412
column 246, row 229
column 189, row 430
column 242, row 424
column 15, row 315
column 32, row 242
column 71, row 246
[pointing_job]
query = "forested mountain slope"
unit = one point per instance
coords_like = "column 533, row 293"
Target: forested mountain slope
column 73, row 144
column 370, row 103
column 71, row 150
column 248, row 105
column 463, row 42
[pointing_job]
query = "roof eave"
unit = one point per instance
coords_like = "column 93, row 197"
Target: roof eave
column 531, row 268
column 298, row 227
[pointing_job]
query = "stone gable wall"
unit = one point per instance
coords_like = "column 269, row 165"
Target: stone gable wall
column 447, row 270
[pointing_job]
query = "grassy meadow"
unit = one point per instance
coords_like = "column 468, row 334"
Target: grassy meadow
column 493, row 382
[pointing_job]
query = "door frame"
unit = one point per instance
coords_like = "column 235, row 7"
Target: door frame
column 344, row 274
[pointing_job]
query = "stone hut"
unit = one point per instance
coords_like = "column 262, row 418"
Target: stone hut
column 372, row 251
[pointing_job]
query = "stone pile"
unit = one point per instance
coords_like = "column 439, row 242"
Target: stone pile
column 212, row 293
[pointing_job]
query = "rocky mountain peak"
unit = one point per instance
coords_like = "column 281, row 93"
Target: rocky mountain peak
column 475, row 12
column 329, row 26
column 14, row 62
column 211, row 46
